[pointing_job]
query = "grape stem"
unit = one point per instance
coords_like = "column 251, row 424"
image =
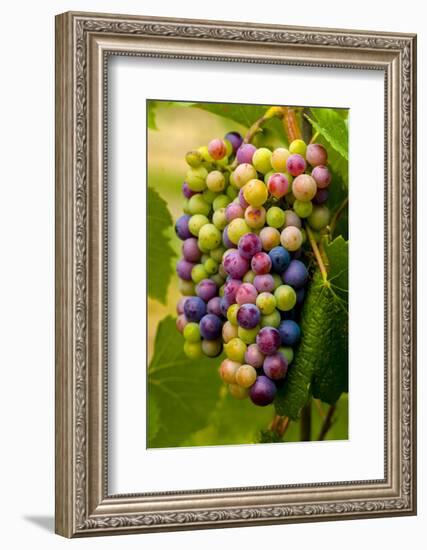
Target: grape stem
column 290, row 124
column 315, row 136
column 327, row 422
column 337, row 215
column 279, row 425
column 317, row 254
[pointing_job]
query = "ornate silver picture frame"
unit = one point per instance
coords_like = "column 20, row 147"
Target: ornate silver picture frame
column 84, row 43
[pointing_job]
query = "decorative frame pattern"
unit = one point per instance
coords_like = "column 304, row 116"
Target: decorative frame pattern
column 83, row 44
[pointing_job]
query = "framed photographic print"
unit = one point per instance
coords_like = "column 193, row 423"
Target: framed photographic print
column 235, row 274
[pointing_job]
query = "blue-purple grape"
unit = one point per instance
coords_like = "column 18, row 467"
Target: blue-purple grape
column 181, row 227
column 183, row 269
column 248, row 316
column 214, row 306
column 280, row 259
column 235, row 265
column 206, row 289
column 235, row 139
column 275, row 366
column 290, row 332
column 263, row 391
column 194, row 308
column 296, row 274
column 210, row 326
column 268, row 340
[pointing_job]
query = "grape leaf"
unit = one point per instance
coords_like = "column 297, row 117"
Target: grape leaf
column 320, row 366
column 185, row 391
column 159, row 220
column 245, row 115
column 333, row 127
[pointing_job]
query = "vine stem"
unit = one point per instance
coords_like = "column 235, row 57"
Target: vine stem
column 290, row 124
column 315, row 136
column 317, row 254
column 336, row 216
column 327, row 423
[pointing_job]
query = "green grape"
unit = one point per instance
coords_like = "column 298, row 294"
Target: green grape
column 266, row 303
column 196, row 222
column 192, row 332
column 288, row 354
column 220, row 201
column 232, row 192
column 303, row 209
column 298, row 146
column 235, row 350
column 271, row 320
column 275, row 217
column 249, row 277
column 198, row 205
column 286, row 297
column 185, row 206
column 277, row 280
column 203, row 150
column 219, row 219
column 319, row 218
column 209, row 236
column 211, row 266
column 248, row 335
column 193, row 350
column 196, row 178
column 217, row 253
column 262, row 160
column 194, row 159
column 198, row 273
column 232, row 314
column 218, row 279
column 236, row 229
column 209, row 196
column 215, row 181
column 186, row 288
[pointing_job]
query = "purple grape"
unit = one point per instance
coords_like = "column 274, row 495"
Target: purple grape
column 186, row 191
column 322, row 176
column 206, row 289
column 183, row 269
column 181, row 227
column 290, row 332
column 235, row 139
column 254, row 357
column 248, row 316
column 261, row 263
column 243, row 202
column 275, row 366
column 280, row 259
column 225, row 304
column 235, row 265
column 320, row 197
column 296, row 275
column 263, row 391
column 295, row 164
column 268, row 340
column 194, row 308
column 226, row 241
column 231, row 287
column 245, row 153
column 246, row 294
column 210, row 327
column 264, row 283
column 249, row 245
column 214, row 306
column 190, row 250
column 233, row 211
column 180, row 305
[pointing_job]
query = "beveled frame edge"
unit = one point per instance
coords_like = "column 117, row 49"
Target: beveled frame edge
column 82, row 505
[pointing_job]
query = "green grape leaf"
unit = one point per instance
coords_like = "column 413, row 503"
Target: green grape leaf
column 160, row 271
column 185, row 390
column 320, row 366
column 332, row 127
column 245, row 115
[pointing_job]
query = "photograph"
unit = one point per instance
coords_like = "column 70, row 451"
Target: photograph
column 247, row 269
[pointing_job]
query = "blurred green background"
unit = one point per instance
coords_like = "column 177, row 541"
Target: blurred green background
column 188, row 404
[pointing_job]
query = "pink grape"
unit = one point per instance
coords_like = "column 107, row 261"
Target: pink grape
column 322, row 176
column 230, row 289
column 233, row 211
column 249, row 245
column 254, row 357
column 261, row 263
column 245, row 153
column 296, row 164
column 278, row 185
column 268, row 340
column 264, row 283
column 217, row 149
column 316, row 154
column 190, row 250
column 246, row 294
column 275, row 366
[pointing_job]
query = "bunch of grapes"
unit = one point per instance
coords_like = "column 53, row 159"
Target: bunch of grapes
column 243, row 271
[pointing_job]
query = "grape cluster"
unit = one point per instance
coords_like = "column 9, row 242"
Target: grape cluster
column 242, row 273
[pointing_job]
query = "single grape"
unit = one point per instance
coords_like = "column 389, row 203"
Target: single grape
column 206, row 290
column 186, row 288
column 243, row 203
column 316, row 154
column 266, row 303
column 190, row 251
column 319, row 218
column 255, row 192
column 217, row 253
column 230, row 289
column 278, row 185
column 233, row 211
column 291, row 238
column 322, row 176
column 225, row 304
column 215, row 181
column 277, row 280
column 249, row 277
column 296, row 274
column 242, row 174
column 321, row 196
column 290, row 332
column 288, row 354
column 263, row 391
column 236, row 229
column 220, row 201
column 194, row 309
column 182, row 228
column 184, row 268
column 303, row 209
column 238, row 392
column 219, row 219
column 181, row 323
column 192, row 332
column 270, row 237
column 194, row 158
column 195, row 223
column 249, row 245
column 235, row 265
column 298, row 146
column 203, row 150
column 262, row 161
column 209, row 236
column 255, row 216
column 232, row 314
column 193, row 350
column 254, row 357
column 245, row 153
column 271, row 320
column 275, row 217
column 248, row 316
column 275, row 366
column 212, row 348
column 229, row 331
column 248, row 335
column 210, row 326
column 235, row 139
column 235, row 350
column 246, row 376
column 295, row 165
column 225, row 239
column 264, row 283
column 198, row 273
column 246, row 294
column 280, row 259
column 268, row 340
column 304, row 188
column 196, row 178
column 217, row 149
column 261, row 263
column 214, row 306
column 227, row 371
column 279, row 158
column 292, row 219
column 286, row 297
column 211, row 266
column 186, row 191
